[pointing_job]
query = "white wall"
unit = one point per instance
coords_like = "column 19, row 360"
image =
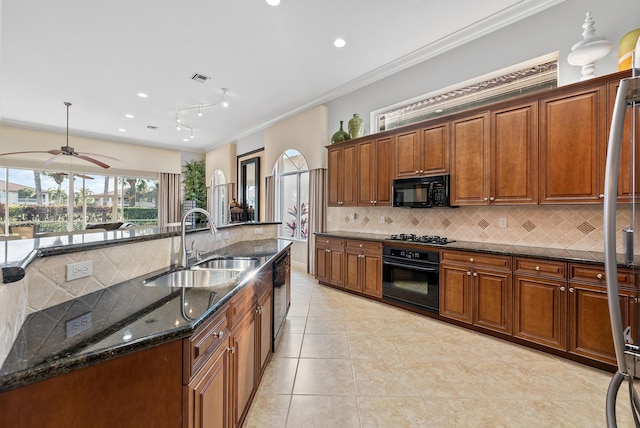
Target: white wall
column 224, row 159
column 555, row 29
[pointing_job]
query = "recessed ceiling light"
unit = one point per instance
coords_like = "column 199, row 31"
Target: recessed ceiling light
column 185, row 140
column 273, row 2
column 130, row 116
column 339, row 43
column 142, row 95
column 122, row 130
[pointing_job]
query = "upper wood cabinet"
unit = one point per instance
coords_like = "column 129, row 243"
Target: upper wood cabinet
column 513, row 156
column 470, row 160
column 375, row 171
column 572, row 146
column 422, row 151
column 342, row 172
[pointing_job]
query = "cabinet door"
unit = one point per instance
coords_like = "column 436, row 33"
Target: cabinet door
column 265, row 330
column 208, row 394
column 383, row 172
column 336, row 269
column 589, row 324
column 352, row 269
column 408, row 154
column 470, row 161
column 572, row 137
column 435, row 143
column 322, row 263
column 492, row 300
column 540, row 311
column 455, row 292
column 366, row 172
column 334, row 179
column 372, row 275
column 514, row 155
column 244, row 371
column 350, row 176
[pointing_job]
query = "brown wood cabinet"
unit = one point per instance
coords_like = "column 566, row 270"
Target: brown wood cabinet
column 423, row 151
column 476, row 289
column 572, row 146
column 589, row 325
column 513, row 155
column 470, row 160
column 330, row 261
column 243, row 372
column 540, row 302
column 264, row 321
column 363, row 267
column 342, row 175
column 375, row 171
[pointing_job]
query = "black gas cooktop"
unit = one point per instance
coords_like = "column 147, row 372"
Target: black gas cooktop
column 425, row 239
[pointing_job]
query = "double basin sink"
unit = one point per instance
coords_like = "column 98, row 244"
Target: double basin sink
column 207, row 273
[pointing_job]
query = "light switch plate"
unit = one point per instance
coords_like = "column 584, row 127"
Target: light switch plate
column 502, row 222
column 79, row 270
column 258, row 231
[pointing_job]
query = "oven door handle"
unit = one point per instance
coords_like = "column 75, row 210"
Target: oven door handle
column 409, row 266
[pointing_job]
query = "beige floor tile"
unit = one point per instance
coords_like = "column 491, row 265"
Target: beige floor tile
column 324, row 377
column 279, row 376
column 325, row 325
column 312, row 411
column 268, row 411
column 294, row 324
column 387, row 412
column 372, row 347
column 288, row 345
column 382, row 378
column 325, row 346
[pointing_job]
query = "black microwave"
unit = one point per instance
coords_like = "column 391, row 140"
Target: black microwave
column 421, row 192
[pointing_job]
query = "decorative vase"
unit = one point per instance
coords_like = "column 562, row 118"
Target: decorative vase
column 625, row 49
column 339, row 136
column 356, row 126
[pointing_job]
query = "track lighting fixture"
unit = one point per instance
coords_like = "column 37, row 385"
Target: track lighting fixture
column 181, row 124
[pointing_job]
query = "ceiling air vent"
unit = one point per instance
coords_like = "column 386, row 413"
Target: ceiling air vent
column 152, row 127
column 200, row 78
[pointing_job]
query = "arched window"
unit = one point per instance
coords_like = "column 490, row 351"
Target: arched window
column 219, row 202
column 292, row 195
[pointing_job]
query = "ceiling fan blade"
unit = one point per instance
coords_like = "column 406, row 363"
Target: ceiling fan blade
column 51, row 159
column 55, row 152
column 99, row 155
column 19, row 153
column 92, row 160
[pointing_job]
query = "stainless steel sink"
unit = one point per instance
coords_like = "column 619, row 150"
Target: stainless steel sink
column 232, row 263
column 194, row 278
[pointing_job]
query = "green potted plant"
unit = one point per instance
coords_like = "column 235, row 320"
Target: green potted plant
column 194, row 185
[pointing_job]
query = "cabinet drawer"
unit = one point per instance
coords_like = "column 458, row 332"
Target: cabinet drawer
column 323, row 241
column 365, row 246
column 596, row 275
column 205, row 341
column 546, row 268
column 240, row 304
column 477, row 259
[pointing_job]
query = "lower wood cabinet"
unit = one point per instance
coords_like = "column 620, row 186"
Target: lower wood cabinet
column 363, row 267
column 476, row 289
column 330, row 261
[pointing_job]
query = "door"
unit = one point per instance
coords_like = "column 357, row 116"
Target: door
column 372, row 275
column 265, row 330
column 243, row 351
column 470, row 160
column 408, row 154
column 435, row 143
column 366, row 172
column 455, row 292
column 383, row 171
column 492, row 300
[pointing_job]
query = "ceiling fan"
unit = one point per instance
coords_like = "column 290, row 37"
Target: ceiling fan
column 67, row 151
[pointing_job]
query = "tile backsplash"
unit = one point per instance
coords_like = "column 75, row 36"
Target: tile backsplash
column 577, row 227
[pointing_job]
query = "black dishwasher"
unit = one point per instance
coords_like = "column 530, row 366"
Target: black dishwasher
column 281, row 293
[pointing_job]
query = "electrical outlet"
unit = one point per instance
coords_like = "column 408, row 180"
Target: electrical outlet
column 226, row 236
column 258, row 231
column 382, row 219
column 353, row 217
column 502, row 222
column 328, row 218
column 79, row 324
column 79, row 270
column 218, row 237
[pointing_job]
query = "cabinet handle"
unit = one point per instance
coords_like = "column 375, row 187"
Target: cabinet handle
column 417, row 171
column 471, row 259
column 475, row 274
column 219, row 334
column 468, row 273
column 360, row 245
column 375, row 202
column 484, row 199
column 538, row 268
column 601, row 196
column 422, row 171
column 258, row 310
column 599, row 276
column 232, row 349
column 492, row 199
column 328, row 251
column 562, row 288
column 570, row 289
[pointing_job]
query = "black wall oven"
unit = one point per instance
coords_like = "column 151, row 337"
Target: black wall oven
column 411, row 277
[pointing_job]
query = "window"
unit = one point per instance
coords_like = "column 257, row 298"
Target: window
column 58, row 201
column 219, row 203
column 532, row 76
column 292, row 195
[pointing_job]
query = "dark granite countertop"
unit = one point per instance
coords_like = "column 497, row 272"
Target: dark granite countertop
column 559, row 254
column 16, row 255
column 126, row 317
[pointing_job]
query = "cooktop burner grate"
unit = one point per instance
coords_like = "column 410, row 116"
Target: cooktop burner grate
column 425, row 239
